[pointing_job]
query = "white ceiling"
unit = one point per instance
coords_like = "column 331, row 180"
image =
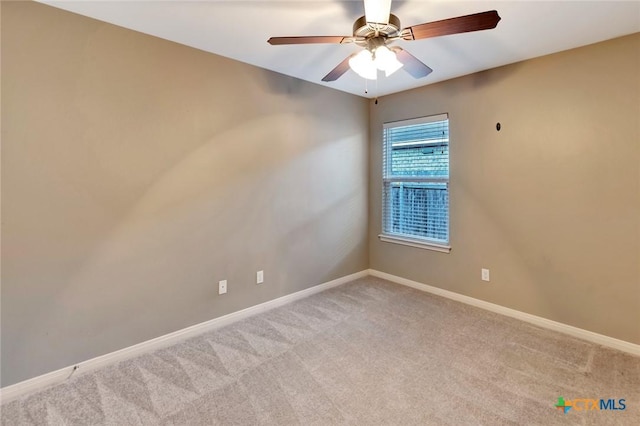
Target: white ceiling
column 240, row 29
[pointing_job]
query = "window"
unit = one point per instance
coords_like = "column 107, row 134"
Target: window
column 415, row 174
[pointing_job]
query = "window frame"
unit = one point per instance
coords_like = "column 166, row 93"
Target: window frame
column 404, row 239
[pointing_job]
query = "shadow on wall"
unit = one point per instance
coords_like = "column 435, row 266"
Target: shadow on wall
column 243, row 198
column 141, row 171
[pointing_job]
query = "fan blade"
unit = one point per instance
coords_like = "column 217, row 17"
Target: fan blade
column 309, row 40
column 411, row 64
column 377, row 11
column 337, row 72
column 461, row 24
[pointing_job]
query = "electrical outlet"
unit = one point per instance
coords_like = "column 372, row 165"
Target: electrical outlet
column 260, row 277
column 485, row 275
column 222, row 287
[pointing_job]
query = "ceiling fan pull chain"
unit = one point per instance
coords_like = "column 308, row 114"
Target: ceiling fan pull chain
column 376, row 93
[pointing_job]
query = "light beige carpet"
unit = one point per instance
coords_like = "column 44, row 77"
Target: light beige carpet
column 367, row 353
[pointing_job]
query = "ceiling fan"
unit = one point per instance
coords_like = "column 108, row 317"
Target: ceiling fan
column 379, row 28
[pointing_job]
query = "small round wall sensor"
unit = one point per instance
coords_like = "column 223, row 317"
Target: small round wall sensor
column 498, row 126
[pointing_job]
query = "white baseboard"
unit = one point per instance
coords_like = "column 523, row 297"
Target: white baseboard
column 590, row 336
column 10, row 393
column 18, row 390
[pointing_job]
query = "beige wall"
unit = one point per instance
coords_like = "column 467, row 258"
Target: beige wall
column 551, row 203
column 136, row 173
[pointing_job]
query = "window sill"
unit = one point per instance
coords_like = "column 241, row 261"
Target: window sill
column 414, row 243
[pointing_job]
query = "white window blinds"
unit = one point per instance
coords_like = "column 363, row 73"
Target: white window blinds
column 416, row 179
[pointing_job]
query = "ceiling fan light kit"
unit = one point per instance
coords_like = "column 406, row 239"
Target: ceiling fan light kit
column 378, row 28
column 367, row 62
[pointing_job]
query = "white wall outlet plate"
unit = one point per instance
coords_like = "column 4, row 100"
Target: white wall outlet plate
column 260, row 277
column 485, row 275
column 222, row 287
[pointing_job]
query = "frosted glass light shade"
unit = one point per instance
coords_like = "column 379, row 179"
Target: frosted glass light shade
column 363, row 65
column 386, row 60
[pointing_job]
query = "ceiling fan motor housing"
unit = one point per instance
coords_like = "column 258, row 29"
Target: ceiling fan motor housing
column 363, row 29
